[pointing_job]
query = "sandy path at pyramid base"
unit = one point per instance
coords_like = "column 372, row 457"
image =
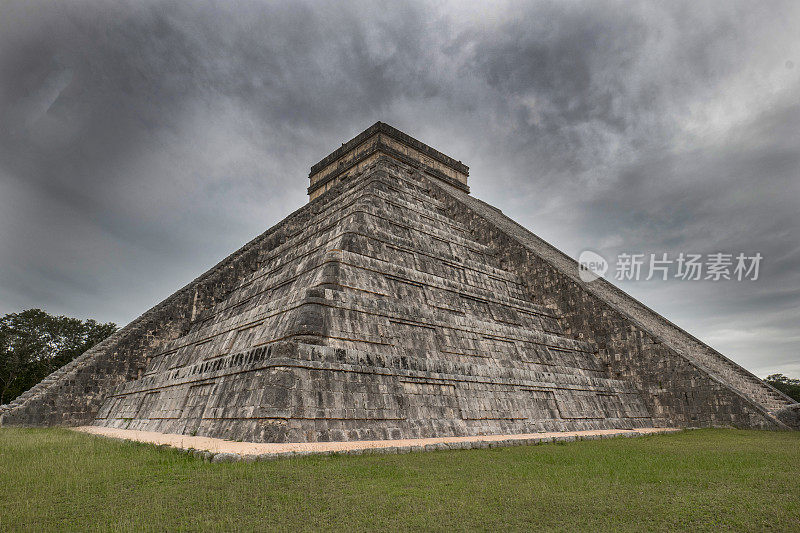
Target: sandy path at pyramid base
column 259, row 449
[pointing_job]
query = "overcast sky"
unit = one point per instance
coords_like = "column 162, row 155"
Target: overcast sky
column 142, row 142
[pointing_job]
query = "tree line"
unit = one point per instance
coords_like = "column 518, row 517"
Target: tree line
column 789, row 386
column 34, row 343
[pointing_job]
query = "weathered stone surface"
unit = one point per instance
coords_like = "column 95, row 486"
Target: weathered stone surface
column 395, row 305
column 684, row 381
column 226, row 458
column 790, row 415
column 358, row 153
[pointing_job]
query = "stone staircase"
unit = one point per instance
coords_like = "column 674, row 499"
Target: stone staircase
column 57, row 376
column 704, row 357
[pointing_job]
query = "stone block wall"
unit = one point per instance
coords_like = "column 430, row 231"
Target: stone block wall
column 383, row 319
column 678, row 391
column 73, row 394
column 393, row 305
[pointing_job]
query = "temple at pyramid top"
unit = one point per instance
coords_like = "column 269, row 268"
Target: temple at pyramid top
column 380, row 138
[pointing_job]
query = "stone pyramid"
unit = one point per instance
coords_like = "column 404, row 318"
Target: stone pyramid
column 396, row 305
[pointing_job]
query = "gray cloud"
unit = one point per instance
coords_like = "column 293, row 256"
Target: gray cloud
column 140, row 142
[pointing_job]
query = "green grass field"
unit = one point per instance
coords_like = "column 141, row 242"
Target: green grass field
column 698, row 480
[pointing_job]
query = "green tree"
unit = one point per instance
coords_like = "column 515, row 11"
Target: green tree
column 788, row 386
column 34, row 343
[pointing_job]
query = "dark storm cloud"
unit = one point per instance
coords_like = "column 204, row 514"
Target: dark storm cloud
column 140, row 142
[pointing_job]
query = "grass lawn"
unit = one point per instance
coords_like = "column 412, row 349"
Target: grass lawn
column 698, row 480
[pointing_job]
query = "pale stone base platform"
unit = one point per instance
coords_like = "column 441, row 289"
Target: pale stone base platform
column 218, row 450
